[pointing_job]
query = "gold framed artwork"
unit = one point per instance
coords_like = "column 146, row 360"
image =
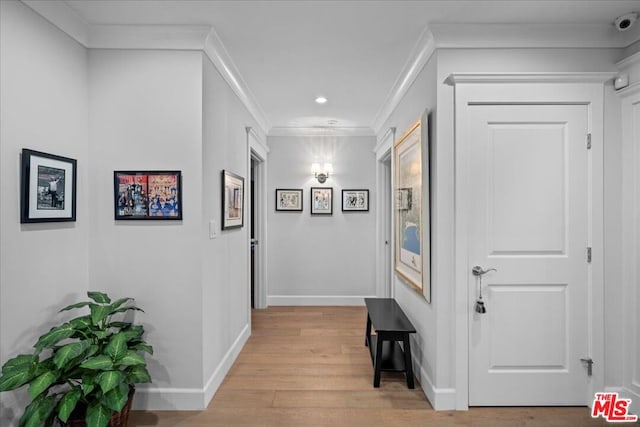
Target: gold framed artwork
column 412, row 208
column 232, row 200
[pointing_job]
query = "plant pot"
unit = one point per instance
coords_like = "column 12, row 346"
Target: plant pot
column 118, row 419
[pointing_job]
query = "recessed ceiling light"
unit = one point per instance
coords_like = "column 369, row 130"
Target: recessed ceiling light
column 321, row 100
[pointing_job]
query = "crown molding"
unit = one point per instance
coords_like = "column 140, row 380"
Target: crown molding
column 458, row 78
column 321, row 131
column 168, row 37
column 217, row 53
column 420, row 55
column 63, row 17
column 629, row 61
column 251, row 132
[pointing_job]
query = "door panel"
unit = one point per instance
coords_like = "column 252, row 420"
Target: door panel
column 529, row 179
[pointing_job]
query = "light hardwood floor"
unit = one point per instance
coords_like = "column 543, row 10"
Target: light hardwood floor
column 308, row 366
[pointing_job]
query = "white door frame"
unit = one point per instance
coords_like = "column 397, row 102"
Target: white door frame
column 384, row 216
column 258, row 150
column 578, row 88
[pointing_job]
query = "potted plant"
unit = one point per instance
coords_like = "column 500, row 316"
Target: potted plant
column 86, row 366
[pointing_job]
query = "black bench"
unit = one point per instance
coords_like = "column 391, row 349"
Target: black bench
column 392, row 327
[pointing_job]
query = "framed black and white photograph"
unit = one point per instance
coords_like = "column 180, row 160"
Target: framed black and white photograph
column 288, row 200
column 321, row 201
column 48, row 190
column 232, row 200
column 355, row 200
column 154, row 195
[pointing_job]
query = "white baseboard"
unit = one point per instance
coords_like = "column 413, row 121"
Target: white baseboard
column 441, row 399
column 190, row 399
column 316, row 299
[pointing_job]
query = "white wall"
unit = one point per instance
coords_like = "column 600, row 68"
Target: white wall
column 43, row 267
column 321, row 260
column 146, row 114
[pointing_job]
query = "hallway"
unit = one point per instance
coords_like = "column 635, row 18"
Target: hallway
column 307, row 366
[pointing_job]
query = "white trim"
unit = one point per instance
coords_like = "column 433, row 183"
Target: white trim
column 258, row 144
column 441, row 399
column 63, row 17
column 629, row 61
column 317, row 300
column 321, row 131
column 217, row 53
column 384, row 144
column 383, row 215
column 189, row 399
column 629, row 90
column 170, row 37
column 500, row 78
column 420, row 55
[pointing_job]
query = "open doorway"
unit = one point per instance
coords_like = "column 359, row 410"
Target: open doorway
column 384, row 216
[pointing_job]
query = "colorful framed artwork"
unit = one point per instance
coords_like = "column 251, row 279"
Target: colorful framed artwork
column 288, row 200
column 232, row 200
column 355, row 200
column 48, row 187
column 412, row 210
column 152, row 195
column 321, row 201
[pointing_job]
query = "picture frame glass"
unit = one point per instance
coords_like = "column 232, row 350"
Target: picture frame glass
column 232, row 200
column 355, row 200
column 153, row 195
column 289, row 200
column 321, row 200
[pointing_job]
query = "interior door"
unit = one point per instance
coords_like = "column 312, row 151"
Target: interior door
column 529, row 173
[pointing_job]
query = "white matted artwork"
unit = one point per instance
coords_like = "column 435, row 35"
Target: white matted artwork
column 289, row 200
column 232, row 200
column 321, row 201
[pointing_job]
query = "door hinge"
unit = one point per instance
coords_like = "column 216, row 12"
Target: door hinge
column 589, row 254
column 588, row 141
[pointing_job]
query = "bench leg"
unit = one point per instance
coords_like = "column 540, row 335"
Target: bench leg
column 367, row 336
column 408, row 365
column 378, row 363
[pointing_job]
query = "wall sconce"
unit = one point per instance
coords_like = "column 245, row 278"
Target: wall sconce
column 321, row 174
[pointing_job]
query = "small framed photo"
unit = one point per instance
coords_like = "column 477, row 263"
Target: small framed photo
column 154, row 195
column 48, row 191
column 289, row 200
column 355, row 200
column 321, row 201
column 232, row 200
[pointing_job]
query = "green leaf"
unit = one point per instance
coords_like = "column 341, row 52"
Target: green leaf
column 16, row 378
column 99, row 313
column 101, row 335
column 82, row 323
column 117, row 398
column 42, row 383
column 109, row 379
column 143, row 347
column 120, row 325
column 76, row 305
column 134, row 332
column 98, row 363
column 20, row 362
column 131, row 358
column 69, row 352
column 88, row 383
column 68, row 403
column 38, row 411
column 97, row 415
column 54, row 336
column 119, row 302
column 138, row 374
column 117, row 346
column 124, row 309
column 99, row 297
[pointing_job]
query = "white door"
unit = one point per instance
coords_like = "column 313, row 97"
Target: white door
column 529, row 221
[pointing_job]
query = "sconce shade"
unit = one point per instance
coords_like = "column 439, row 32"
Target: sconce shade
column 315, row 168
column 328, row 168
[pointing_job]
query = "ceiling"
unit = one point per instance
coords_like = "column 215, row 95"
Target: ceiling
column 355, row 53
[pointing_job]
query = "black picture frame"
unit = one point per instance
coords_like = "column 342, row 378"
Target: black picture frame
column 355, row 200
column 147, row 195
column 48, row 187
column 232, row 200
column 289, row 200
column 321, row 200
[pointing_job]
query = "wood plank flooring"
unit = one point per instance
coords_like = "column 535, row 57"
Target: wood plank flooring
column 308, row 366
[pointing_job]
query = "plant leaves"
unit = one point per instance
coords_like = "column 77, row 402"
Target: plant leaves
column 143, row 347
column 19, row 362
column 41, row 383
column 68, row 403
column 138, row 374
column 119, row 302
column 16, row 378
column 117, row 398
column 38, row 411
column 99, row 313
column 99, row 297
column 98, row 363
column 54, row 336
column 120, row 325
column 76, row 305
column 97, row 415
column 117, row 346
column 131, row 358
column 83, row 322
column 69, row 352
column 88, row 383
column 134, row 332
column 109, row 380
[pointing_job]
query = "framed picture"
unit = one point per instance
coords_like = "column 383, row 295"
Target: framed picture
column 321, row 201
column 355, row 200
column 48, row 190
column 289, row 200
column 412, row 210
column 232, row 200
column 154, row 195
